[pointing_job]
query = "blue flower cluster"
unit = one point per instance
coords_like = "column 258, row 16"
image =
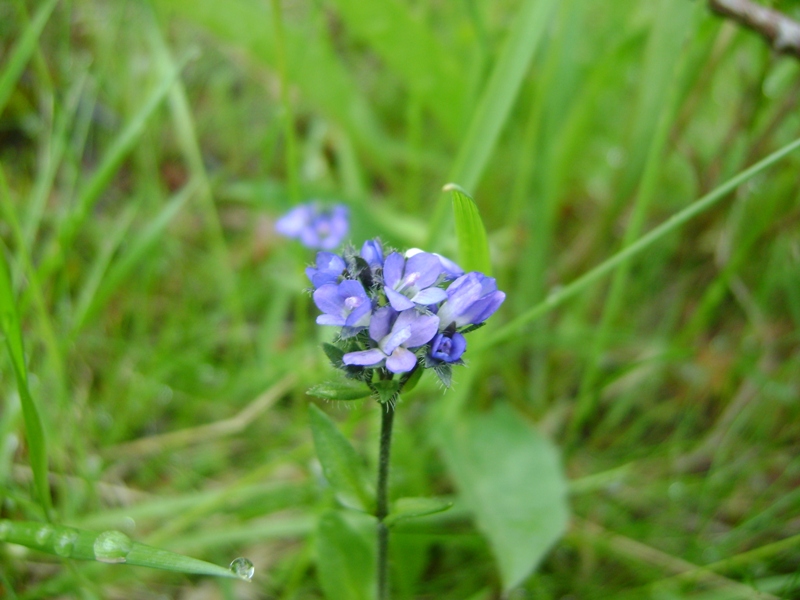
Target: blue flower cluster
column 397, row 311
column 315, row 226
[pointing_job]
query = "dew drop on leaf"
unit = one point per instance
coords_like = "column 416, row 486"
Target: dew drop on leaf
column 65, row 543
column 112, row 547
column 243, row 568
column 43, row 534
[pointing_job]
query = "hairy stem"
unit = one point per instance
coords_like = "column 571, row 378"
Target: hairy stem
column 387, row 420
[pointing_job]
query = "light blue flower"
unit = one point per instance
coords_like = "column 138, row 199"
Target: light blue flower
column 395, row 334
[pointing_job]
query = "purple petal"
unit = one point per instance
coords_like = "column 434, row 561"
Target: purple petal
column 422, row 327
column 396, row 338
column 328, row 300
column 450, row 269
column 364, row 358
column 484, row 308
column 423, row 268
column 401, row 361
column 393, row 269
column 381, row 323
column 352, row 289
column 293, row 222
column 397, row 300
column 431, row 295
column 331, row 320
column 360, row 316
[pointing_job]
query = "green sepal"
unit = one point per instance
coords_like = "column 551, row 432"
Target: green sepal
column 411, row 508
column 334, row 354
column 387, row 391
column 444, row 372
column 342, row 390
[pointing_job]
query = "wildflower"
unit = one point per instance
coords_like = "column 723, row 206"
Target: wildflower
column 344, row 305
column 447, row 347
column 409, row 282
column 396, row 334
column 329, row 268
column 471, row 299
column 315, row 226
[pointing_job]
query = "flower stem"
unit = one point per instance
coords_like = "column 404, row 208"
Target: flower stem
column 387, row 420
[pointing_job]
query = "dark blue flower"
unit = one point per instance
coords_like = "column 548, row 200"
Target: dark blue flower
column 344, row 305
column 448, row 347
column 471, row 299
column 411, row 282
column 395, row 334
column 315, row 226
column 372, row 252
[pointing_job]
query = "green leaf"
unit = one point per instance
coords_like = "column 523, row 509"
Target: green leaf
column 339, row 390
column 346, row 555
column 511, row 479
column 109, row 547
column 341, row 465
column 410, row 508
column 34, row 431
column 473, row 248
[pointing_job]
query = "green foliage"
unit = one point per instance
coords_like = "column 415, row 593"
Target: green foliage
column 12, row 331
column 346, row 555
column 635, row 169
column 511, row 478
column 113, row 547
column 343, row 468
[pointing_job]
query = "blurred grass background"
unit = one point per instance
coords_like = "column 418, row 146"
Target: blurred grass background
column 146, row 149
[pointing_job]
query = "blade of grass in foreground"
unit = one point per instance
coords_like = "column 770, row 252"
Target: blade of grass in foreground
column 34, row 431
column 473, row 248
column 112, row 547
column 673, row 223
column 496, row 102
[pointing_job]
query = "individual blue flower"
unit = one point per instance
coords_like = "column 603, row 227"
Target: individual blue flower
column 329, row 268
column 396, row 334
column 410, row 282
column 448, row 347
column 315, row 226
column 450, row 270
column 344, row 305
column 372, row 252
column 471, row 299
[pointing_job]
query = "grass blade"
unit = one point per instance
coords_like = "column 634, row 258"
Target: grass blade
column 111, row 162
column 473, row 248
column 113, row 547
column 673, row 223
column 500, row 92
column 34, row 431
column 22, row 52
column 90, row 303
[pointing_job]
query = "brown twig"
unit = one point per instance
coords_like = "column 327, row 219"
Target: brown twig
column 782, row 32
